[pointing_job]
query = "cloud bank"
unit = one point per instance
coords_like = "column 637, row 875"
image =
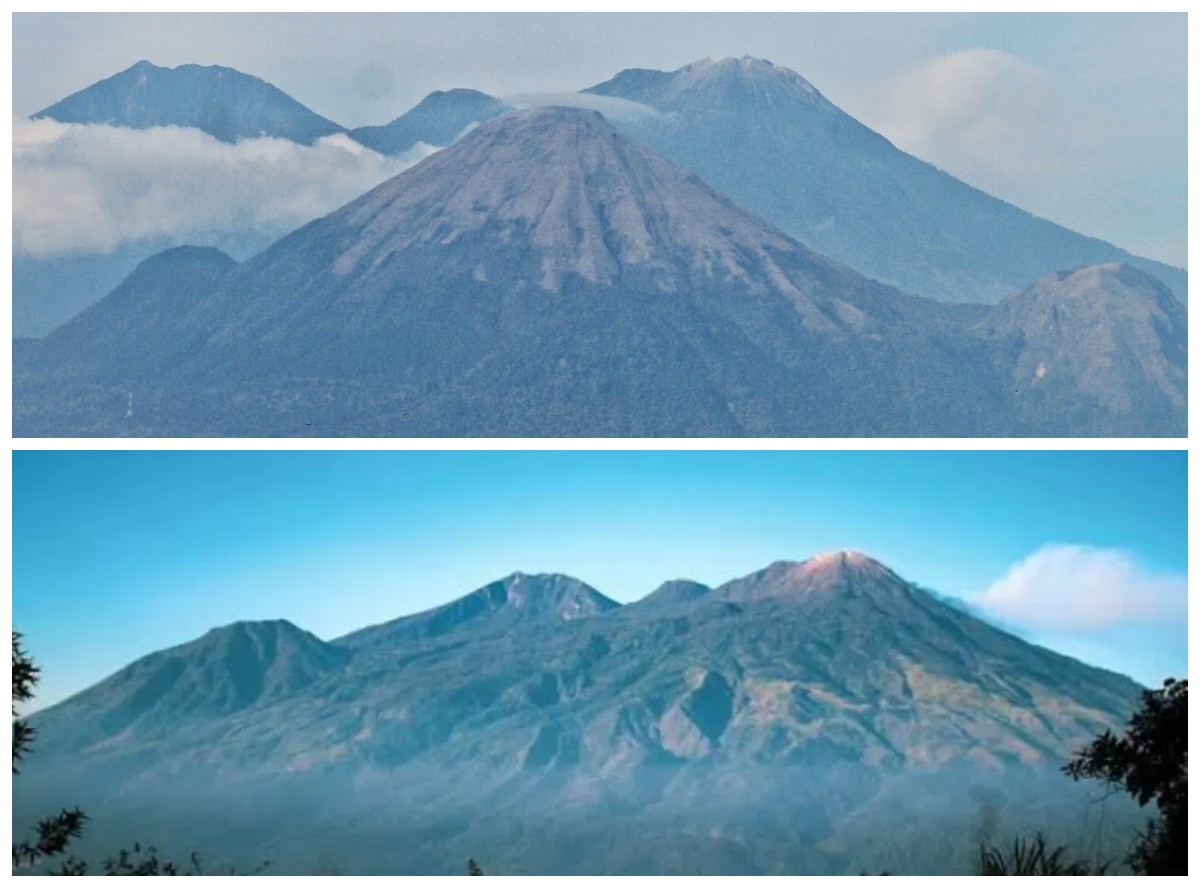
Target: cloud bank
column 1084, row 588
column 93, row 188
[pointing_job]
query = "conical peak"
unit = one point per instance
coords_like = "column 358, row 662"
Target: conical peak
column 547, row 124
column 821, row 577
column 845, row 560
column 590, row 202
column 832, row 566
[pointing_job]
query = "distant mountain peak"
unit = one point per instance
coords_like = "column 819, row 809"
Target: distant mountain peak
column 765, row 136
column 223, row 102
column 438, row 119
column 517, row 599
column 711, row 81
column 566, row 596
column 676, row 592
column 260, row 628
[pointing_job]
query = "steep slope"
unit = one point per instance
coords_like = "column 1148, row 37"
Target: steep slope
column 227, row 670
column 766, row 137
column 223, row 102
column 591, row 287
column 548, row 276
column 438, row 119
column 516, row 600
column 750, row 727
column 1110, row 333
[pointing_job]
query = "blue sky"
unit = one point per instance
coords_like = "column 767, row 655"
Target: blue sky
column 117, row 553
column 1079, row 117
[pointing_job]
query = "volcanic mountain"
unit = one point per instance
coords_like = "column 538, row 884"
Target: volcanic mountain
column 438, row 119
column 770, row 140
column 223, row 102
column 544, row 276
column 787, row 721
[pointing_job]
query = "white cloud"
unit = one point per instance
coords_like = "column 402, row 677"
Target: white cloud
column 1084, row 588
column 620, row 110
column 977, row 103
column 92, row 188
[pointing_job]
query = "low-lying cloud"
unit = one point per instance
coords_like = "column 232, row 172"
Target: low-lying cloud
column 615, row 109
column 1084, row 588
column 92, row 188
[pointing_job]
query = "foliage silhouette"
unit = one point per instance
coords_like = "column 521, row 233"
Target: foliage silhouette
column 54, row 834
column 1032, row 858
column 1149, row 763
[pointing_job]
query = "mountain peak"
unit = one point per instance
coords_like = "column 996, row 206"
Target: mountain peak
column 591, row 203
column 514, row 600
column 747, row 82
column 675, row 592
column 223, row 102
column 438, row 119
column 552, row 594
column 823, row 577
column 842, row 560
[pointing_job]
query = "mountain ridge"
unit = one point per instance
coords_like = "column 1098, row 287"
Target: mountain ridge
column 766, row 137
column 778, row 718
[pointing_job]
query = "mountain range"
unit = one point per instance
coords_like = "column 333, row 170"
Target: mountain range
column 820, row 716
column 549, row 276
column 758, row 132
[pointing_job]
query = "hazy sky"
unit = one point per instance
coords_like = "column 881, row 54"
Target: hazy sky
column 118, row 553
column 1081, row 118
